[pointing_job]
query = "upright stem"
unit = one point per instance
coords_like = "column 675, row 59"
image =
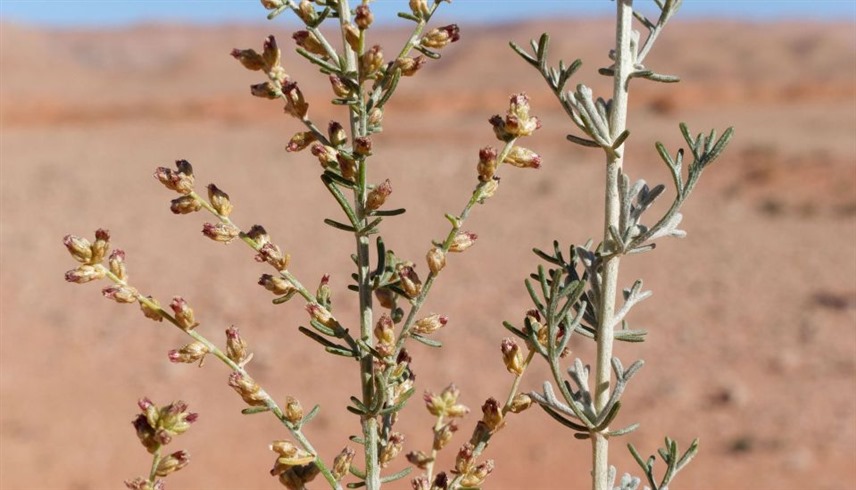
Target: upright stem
column 358, row 128
column 606, row 308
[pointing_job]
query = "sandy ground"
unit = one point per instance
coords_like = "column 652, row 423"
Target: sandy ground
column 752, row 325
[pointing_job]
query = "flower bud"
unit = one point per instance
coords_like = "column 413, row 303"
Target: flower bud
column 520, row 403
column 219, row 200
column 259, row 235
column 377, row 196
column 151, row 309
column 220, row 232
column 337, row 134
column 323, row 293
column 306, row 12
column 180, row 180
column 272, row 254
column 185, row 205
column 270, row 53
column 251, row 60
column 120, row 294
column 363, row 146
column 440, row 37
column 183, row 314
column 430, row 324
column 492, row 415
column 499, row 129
column 272, row 4
column 436, row 260
column 265, row 90
column 410, row 282
column 276, row 284
column 310, row 43
column 363, row 17
column 444, row 434
column 370, row 62
column 296, row 105
column 523, row 158
column 487, row 163
column 419, row 8
column 249, row 390
column 342, row 463
column 511, row 356
column 409, row 66
column 189, row 354
column 419, row 459
column 236, row 346
column 476, row 477
column 392, row 449
column 462, row 241
column 292, row 410
column 85, row 273
column 321, row 315
column 352, row 36
column 375, row 117
column 327, row 155
column 339, row 87
column 300, row 141
column 172, row 463
column 100, row 246
column 79, row 248
column 487, row 190
column 116, row 262
column 446, row 403
column 465, row 461
column 384, row 332
column 385, row 297
column 347, row 166
column 518, row 121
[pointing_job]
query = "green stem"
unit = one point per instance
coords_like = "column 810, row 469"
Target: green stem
column 156, row 458
column 429, row 469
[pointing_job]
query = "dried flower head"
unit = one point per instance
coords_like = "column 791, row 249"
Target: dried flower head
column 371, row 62
column 446, row 403
column 377, row 196
column 310, row 43
column 293, row 410
column 441, row 37
column 183, row 314
column 179, row 180
column 409, row 66
column 295, row 104
column 336, row 133
column 436, row 260
column 272, row 254
column 300, row 141
column 249, row 390
column 276, row 284
column 523, row 158
column 511, row 356
column 363, row 17
column 85, row 273
column 185, row 205
column 79, row 248
column 410, row 283
column 430, row 324
column 342, row 463
column 190, row 353
column 172, row 463
column 151, row 309
column 462, row 241
column 236, row 346
column 220, row 232
column 116, row 264
column 120, row 293
column 392, row 448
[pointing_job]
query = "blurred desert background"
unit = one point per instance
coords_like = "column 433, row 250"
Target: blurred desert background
column 752, row 343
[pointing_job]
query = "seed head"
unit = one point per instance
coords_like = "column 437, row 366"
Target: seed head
column 352, row 36
column 265, row 90
column 410, row 282
column 446, row 403
column 419, row 8
column 249, row 390
column 464, row 463
column 336, row 134
column 444, row 434
column 259, row 235
column 251, row 60
column 385, row 297
column 487, row 163
column 101, row 246
column 327, row 155
column 363, row 146
column 151, row 312
column 419, row 459
column 290, row 455
column 384, row 332
column 306, row 12
column 520, row 403
column 270, row 53
column 276, row 284
column 292, row 409
column 440, row 37
column 190, row 353
column 376, row 117
column 392, row 449
column 476, row 478
column 339, row 86
column 518, row 122
column 321, row 315
column 409, row 66
column 347, row 166
column 492, row 415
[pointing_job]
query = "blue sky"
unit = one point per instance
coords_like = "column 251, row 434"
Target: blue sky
column 119, row 12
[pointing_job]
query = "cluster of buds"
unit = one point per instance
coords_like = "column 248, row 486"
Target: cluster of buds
column 371, row 63
column 294, row 466
column 440, row 37
column 473, row 475
column 429, row 324
column 249, row 390
column 267, row 251
column 517, row 121
column 156, row 426
column 278, row 85
column 446, row 403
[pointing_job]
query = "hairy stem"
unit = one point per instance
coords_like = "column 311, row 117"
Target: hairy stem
column 612, row 206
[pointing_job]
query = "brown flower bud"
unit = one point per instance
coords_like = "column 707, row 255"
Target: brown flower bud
column 511, row 356
column 392, row 449
column 276, row 284
column 120, row 294
column 347, row 166
column 440, row 37
column 272, row 4
column 249, row 390
column 306, row 12
column 430, row 324
column 523, row 158
column 85, row 273
column 272, row 254
column 363, row 146
column 321, row 315
column 385, row 297
column 190, row 353
column 370, row 62
column 492, row 415
column 436, row 260
column 251, row 60
column 180, row 180
column 444, row 434
column 101, row 246
column 342, row 463
column 236, row 346
column 499, row 129
column 487, row 163
column 292, row 410
column 462, row 241
column 518, row 121
column 363, row 17
column 291, row 455
column 327, row 155
column 336, row 134
column 419, row 459
column 339, row 86
column 220, row 232
column 376, row 117
column 300, row 141
column 270, row 53
column 377, row 196
column 520, row 403
column 259, row 235
column 409, row 66
column 79, row 248
column 384, row 332
column 116, row 262
column 419, row 8
column 410, row 282
column 465, row 462
column 476, row 477
column 310, row 43
column 183, row 313
column 219, row 200
column 185, row 205
column 151, row 309
column 172, row 463
column 487, row 190
column 265, row 90
column 352, row 36
column 296, row 105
